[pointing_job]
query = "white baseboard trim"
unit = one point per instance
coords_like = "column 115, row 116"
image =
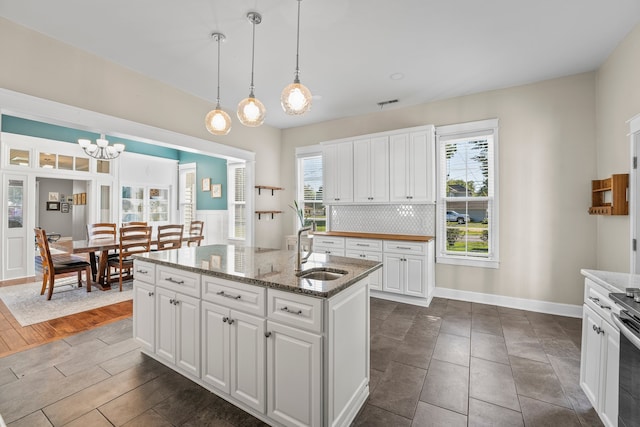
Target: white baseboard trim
column 422, row 302
column 559, row 309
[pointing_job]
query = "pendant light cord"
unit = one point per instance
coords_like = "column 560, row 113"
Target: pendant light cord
column 253, row 49
column 297, row 76
column 218, row 97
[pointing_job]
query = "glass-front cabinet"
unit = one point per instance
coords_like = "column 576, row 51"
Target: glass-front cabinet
column 145, row 203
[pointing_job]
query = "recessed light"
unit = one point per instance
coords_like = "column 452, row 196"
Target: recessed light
column 396, row 76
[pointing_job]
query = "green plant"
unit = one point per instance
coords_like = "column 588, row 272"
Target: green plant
column 299, row 212
column 453, row 234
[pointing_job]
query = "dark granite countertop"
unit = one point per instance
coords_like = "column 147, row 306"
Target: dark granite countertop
column 272, row 268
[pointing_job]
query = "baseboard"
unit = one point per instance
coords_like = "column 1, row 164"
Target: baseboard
column 423, row 302
column 547, row 307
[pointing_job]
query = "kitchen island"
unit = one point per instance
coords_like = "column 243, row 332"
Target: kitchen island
column 239, row 321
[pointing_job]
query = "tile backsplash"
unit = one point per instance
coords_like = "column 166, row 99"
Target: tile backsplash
column 386, row 219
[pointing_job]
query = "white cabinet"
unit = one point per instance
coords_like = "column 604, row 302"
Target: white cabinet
column 145, row 203
column 178, row 330
column 371, row 170
column 412, row 167
column 144, row 305
column 294, row 382
column 329, row 245
column 337, row 173
column 406, row 270
column 600, row 355
column 370, row 249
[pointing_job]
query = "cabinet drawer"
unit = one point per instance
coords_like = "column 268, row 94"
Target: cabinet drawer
column 330, row 241
column 296, row 310
column 239, row 296
column 364, row 245
column 597, row 298
column 405, row 247
column 144, row 271
column 178, row 280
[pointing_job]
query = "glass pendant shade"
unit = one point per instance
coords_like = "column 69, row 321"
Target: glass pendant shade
column 295, row 99
column 251, row 112
column 218, row 121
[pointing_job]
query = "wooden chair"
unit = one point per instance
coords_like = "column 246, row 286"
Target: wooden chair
column 195, row 232
column 53, row 266
column 169, row 236
column 134, row 223
column 99, row 231
column 133, row 240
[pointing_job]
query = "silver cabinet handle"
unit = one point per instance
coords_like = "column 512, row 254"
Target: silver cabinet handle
column 598, row 330
column 267, row 334
column 403, row 247
column 151, row 294
column 224, row 319
column 363, row 244
column 231, row 321
column 286, row 309
column 142, row 271
column 222, row 294
column 172, row 280
column 594, row 299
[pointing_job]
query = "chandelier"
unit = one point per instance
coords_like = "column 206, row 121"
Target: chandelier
column 101, row 150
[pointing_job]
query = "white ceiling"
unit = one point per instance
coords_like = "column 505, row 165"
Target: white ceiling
column 348, row 48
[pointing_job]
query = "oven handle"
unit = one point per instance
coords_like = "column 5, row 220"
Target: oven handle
column 625, row 331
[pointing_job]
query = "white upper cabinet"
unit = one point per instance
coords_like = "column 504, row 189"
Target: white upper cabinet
column 412, row 166
column 338, row 172
column 371, row 170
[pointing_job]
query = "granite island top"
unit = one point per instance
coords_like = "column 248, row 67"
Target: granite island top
column 272, row 268
column 613, row 281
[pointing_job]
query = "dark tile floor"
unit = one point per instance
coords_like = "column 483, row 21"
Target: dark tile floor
column 454, row 363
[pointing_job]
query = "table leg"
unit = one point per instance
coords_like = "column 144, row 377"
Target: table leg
column 103, row 274
column 94, row 267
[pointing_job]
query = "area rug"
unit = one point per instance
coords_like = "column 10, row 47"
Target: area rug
column 29, row 307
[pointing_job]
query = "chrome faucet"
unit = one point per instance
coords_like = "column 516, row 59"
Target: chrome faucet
column 299, row 258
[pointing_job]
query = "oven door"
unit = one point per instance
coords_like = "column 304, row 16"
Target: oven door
column 629, row 388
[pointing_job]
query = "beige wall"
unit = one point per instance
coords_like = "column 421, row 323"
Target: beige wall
column 617, row 100
column 40, row 66
column 547, row 157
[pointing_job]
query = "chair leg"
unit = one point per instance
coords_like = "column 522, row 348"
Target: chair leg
column 45, row 279
column 87, row 273
column 79, row 278
column 52, row 279
column 120, row 278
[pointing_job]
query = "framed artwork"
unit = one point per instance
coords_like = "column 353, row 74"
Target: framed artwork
column 216, row 191
column 64, row 207
column 54, row 197
column 76, row 199
column 216, row 261
column 206, row 184
column 53, row 206
column 83, row 198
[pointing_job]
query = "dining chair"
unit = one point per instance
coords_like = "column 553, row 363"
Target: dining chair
column 133, row 240
column 134, row 223
column 169, row 237
column 196, row 229
column 100, row 231
column 53, row 266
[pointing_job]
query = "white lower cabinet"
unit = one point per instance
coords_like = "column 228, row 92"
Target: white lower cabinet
column 178, row 330
column 404, row 274
column 294, row 383
column 600, row 354
column 144, row 305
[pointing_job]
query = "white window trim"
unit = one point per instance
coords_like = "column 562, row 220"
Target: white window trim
column 462, row 130
column 303, row 152
column 231, row 202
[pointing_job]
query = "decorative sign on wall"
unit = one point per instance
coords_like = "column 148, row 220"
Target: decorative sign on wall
column 54, row 197
column 53, row 206
column 206, row 184
column 216, row 191
column 80, row 199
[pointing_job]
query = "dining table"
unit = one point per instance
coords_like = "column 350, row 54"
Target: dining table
column 103, row 246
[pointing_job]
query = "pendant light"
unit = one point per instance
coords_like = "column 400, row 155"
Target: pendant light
column 296, row 98
column 251, row 112
column 218, row 121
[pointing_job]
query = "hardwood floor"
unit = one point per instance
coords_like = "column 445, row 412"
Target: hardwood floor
column 14, row 337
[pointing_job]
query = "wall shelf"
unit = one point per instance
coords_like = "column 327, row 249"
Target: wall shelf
column 609, row 195
column 272, row 213
column 268, row 187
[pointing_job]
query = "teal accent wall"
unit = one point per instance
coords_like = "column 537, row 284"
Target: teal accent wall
column 207, row 166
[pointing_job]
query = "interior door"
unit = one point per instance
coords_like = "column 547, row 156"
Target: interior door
column 16, row 243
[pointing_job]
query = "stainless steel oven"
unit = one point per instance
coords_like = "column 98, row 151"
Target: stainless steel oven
column 629, row 386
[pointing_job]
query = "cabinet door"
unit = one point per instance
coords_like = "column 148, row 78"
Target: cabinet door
column 215, row 346
column 165, row 325
column 591, row 355
column 610, row 372
column 188, row 333
column 393, row 273
column 414, row 276
column 375, row 278
column 248, row 359
column 144, row 305
column 399, row 168
column 420, row 172
column 371, row 170
column 337, row 163
column 362, row 171
column 293, row 376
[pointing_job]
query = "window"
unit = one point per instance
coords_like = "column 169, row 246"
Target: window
column 237, row 200
column 309, row 194
column 467, row 194
column 187, row 194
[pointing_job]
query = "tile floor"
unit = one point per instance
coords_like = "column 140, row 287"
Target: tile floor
column 454, row 363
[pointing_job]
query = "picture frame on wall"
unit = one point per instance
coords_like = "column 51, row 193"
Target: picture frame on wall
column 83, row 198
column 53, row 206
column 54, row 196
column 76, row 199
column 64, row 207
column 216, row 191
column 206, row 184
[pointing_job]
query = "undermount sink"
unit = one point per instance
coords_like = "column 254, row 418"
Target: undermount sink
column 323, row 274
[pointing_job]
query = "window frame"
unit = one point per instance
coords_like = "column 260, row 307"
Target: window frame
column 232, row 202
column 455, row 132
column 303, row 153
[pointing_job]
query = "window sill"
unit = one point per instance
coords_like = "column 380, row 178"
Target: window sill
column 468, row 262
